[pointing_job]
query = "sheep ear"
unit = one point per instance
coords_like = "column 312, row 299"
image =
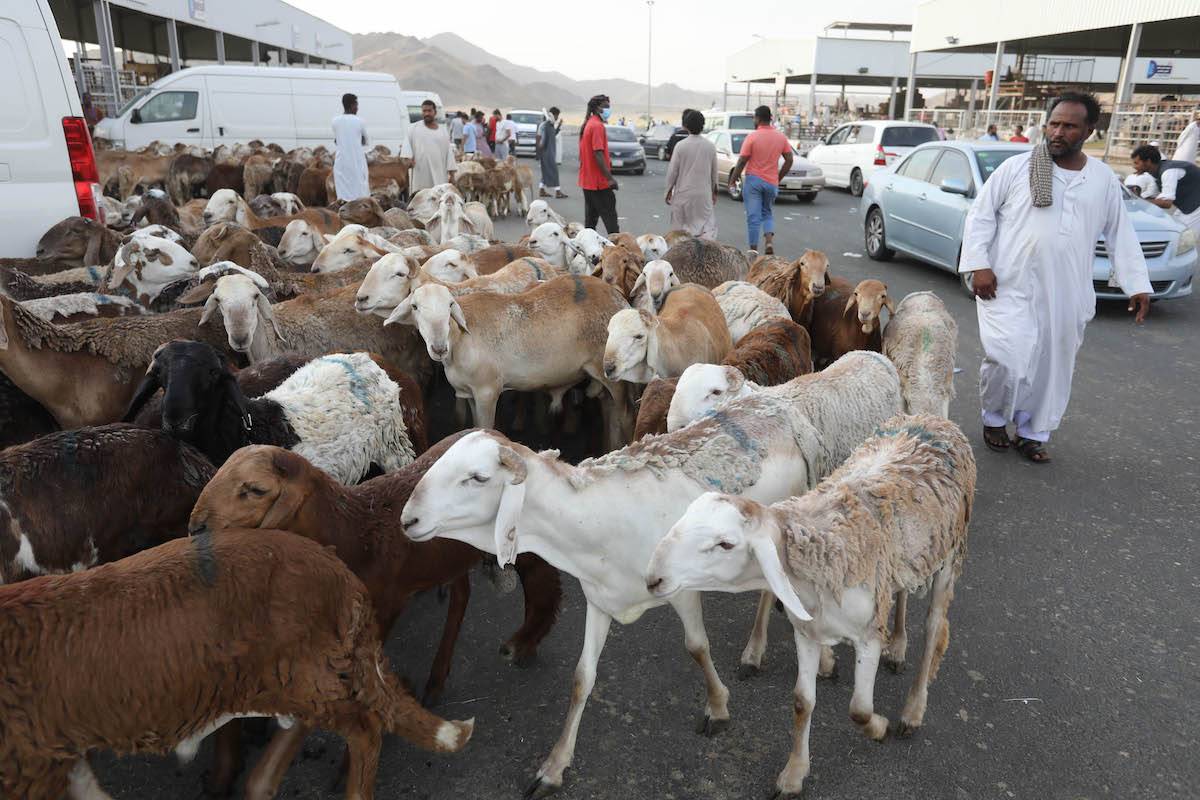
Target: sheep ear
column 290, row 498
column 640, row 282
column 849, row 304
column 264, row 311
column 210, row 306
column 3, row 330
column 145, row 390
column 118, row 274
column 457, row 313
column 736, row 379
column 768, row 560
column 512, row 500
column 648, row 319
column 887, row 302
column 401, row 313
column 329, row 237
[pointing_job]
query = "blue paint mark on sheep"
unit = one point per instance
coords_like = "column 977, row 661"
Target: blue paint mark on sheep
column 206, row 559
column 93, row 274
column 358, row 384
column 536, row 269
column 732, row 429
column 580, row 289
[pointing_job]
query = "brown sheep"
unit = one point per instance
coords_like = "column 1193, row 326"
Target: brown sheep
column 497, row 256
column 225, row 176
column 187, row 175
column 771, row 354
column 620, row 267
column 22, row 418
column 149, row 482
column 256, row 175
column 383, row 172
column 364, row 211
column 794, row 284
column 78, row 242
column 311, row 657
column 706, row 262
column 848, row 318
column 310, row 188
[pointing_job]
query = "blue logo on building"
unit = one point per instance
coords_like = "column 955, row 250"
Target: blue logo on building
column 1154, row 68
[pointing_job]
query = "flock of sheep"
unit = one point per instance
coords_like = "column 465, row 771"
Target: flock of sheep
column 248, row 391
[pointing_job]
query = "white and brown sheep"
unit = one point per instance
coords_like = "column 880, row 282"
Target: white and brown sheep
column 707, row 262
column 689, row 329
column 746, row 307
column 846, row 318
column 795, row 284
column 921, row 339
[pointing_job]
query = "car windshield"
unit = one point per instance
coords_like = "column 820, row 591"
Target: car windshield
column 131, row 101
column 527, row 119
column 616, row 133
column 908, row 136
column 744, row 122
column 736, row 140
column 988, row 160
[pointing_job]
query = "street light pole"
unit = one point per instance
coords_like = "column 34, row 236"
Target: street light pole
column 649, row 55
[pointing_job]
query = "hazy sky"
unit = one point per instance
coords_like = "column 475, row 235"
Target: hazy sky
column 608, row 39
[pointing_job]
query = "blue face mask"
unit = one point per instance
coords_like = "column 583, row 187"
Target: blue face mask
column 605, row 113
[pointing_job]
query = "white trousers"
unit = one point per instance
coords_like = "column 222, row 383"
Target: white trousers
column 994, row 419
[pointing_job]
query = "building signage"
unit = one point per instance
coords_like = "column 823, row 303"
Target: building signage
column 196, row 9
column 1157, row 69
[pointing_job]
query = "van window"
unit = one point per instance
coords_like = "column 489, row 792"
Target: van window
column 170, row 107
column 908, row 135
column 741, row 122
column 864, row 134
column 414, row 113
column 839, row 136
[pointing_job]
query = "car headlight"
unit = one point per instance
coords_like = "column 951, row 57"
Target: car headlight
column 815, row 173
column 1187, row 242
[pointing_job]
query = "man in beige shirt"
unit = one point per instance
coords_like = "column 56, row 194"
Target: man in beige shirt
column 692, row 181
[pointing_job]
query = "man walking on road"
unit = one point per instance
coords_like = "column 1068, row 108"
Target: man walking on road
column 595, row 168
column 759, row 160
column 350, row 178
column 1029, row 242
column 547, row 153
column 430, row 150
column 506, row 136
column 456, row 130
column 1180, row 182
column 692, row 181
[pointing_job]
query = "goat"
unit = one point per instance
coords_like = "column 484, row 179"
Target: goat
column 689, row 329
column 921, row 339
column 165, row 682
column 835, row 332
column 794, row 284
column 891, row 520
column 503, row 498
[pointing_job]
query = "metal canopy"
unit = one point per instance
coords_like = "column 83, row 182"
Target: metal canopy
column 1177, row 38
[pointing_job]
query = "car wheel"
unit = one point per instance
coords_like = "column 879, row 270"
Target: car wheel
column 856, row 182
column 662, row 152
column 639, row 171
column 735, row 189
column 875, row 237
column 807, row 198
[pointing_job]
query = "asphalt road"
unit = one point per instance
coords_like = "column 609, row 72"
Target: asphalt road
column 1073, row 664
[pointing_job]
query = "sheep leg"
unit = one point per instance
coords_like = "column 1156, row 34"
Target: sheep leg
column 483, row 405
column 542, row 586
column 549, row 777
column 716, row 711
column 808, row 659
column 460, row 595
column 893, row 654
column 751, row 661
column 862, row 702
column 363, row 744
column 937, row 638
column 268, row 773
column 226, row 760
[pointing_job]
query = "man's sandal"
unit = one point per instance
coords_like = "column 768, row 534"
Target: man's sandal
column 996, row 438
column 1032, row 450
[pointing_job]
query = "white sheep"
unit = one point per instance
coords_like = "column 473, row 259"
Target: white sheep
column 241, row 301
column 891, row 520
column 352, row 246
column 300, row 243
column 550, row 241
column 289, row 202
column 590, row 244
column 540, row 212
column 60, row 307
column 921, row 339
column 149, row 263
column 704, row 388
column 653, row 246
column 650, row 289
column 601, row 520
column 449, row 265
column 455, row 217
column 689, row 329
column 745, row 307
column 225, row 206
column 159, row 232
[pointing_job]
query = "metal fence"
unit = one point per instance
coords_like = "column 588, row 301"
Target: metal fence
column 960, row 123
column 1132, row 126
column 93, row 77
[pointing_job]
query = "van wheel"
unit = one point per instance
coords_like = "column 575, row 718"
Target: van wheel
column 876, row 237
column 735, row 189
column 856, row 182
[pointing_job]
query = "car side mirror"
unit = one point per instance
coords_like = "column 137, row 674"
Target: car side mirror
column 136, row 116
column 955, row 186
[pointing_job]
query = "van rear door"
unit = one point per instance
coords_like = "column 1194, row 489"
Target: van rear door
column 36, row 187
column 247, row 107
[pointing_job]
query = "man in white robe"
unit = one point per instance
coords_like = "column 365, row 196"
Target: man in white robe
column 350, row 178
column 1029, row 240
column 428, row 146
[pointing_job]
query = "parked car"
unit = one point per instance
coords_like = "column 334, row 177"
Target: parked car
column 803, row 181
column 920, row 206
column 47, row 167
column 228, row 104
column 853, row 151
column 626, row 154
column 527, row 123
column 660, row 140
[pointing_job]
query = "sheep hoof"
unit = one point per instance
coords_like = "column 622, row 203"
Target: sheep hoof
column 780, row 794
column 517, row 656
column 903, row 730
column 747, row 671
column 893, row 665
column 709, row 727
column 540, row 788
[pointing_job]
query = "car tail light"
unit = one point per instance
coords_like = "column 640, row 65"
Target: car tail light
column 83, row 167
column 880, row 156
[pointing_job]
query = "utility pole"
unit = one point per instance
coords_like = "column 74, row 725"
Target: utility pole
column 649, row 55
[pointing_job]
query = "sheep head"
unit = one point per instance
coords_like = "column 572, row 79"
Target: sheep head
column 363, row 211
column 590, row 245
column 540, row 212
column 659, row 278
column 629, row 332
column 477, row 484
column 387, row 285
column 301, row 243
column 245, row 312
column 150, row 263
column 289, row 202
column 450, row 265
column 225, row 205
column 347, row 249
column 722, row 543
column 550, row 242
column 871, row 297
column 159, row 231
column 812, row 272
column 259, row 486
column 69, row 241
column 620, row 268
column 703, row 388
column 652, row 246
column 193, row 377
column 431, row 308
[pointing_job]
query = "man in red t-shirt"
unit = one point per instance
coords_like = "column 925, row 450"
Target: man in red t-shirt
column 493, row 120
column 595, row 168
column 1019, row 136
column 759, row 159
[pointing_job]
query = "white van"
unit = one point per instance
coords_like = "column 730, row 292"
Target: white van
column 287, row 106
column 729, row 120
column 527, row 122
column 412, row 100
column 47, row 168
column 853, row 151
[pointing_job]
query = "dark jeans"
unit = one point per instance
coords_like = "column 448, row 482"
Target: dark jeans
column 600, row 204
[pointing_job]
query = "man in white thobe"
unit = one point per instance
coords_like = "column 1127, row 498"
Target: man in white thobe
column 350, row 178
column 1029, row 240
column 1189, row 141
column 428, row 145
column 1179, row 182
